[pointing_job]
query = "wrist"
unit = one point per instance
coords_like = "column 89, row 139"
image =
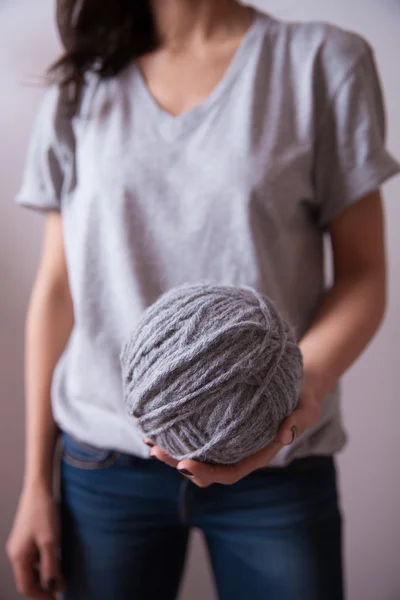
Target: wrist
column 40, row 463
column 37, row 482
column 316, row 384
column 316, row 379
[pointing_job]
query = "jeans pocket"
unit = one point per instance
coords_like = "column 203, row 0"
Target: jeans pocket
column 83, row 456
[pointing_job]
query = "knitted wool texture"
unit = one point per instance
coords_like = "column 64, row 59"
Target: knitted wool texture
column 210, row 372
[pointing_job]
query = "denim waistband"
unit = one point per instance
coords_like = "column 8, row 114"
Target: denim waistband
column 89, row 452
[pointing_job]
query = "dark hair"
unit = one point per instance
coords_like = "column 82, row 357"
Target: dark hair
column 102, row 36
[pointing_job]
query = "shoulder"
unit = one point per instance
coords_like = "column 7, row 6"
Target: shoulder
column 322, row 49
column 60, row 114
column 330, row 40
column 334, row 51
column 54, row 124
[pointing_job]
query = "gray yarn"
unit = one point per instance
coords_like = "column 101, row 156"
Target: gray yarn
column 210, row 372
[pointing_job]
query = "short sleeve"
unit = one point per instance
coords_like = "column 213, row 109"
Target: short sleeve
column 351, row 159
column 49, row 160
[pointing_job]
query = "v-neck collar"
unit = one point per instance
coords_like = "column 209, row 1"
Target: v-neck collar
column 171, row 126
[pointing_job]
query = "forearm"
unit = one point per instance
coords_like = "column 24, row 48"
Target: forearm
column 49, row 323
column 345, row 324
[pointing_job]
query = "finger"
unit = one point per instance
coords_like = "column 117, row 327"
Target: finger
column 201, row 483
column 157, row 452
column 203, row 474
column 289, row 430
column 27, row 580
column 296, row 424
column 197, row 471
column 50, row 569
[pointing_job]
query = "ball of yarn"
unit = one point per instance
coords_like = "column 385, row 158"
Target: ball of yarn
column 210, row 372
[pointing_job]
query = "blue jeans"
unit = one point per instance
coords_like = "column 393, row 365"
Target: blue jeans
column 275, row 535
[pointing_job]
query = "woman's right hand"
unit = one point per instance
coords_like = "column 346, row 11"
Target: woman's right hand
column 33, row 545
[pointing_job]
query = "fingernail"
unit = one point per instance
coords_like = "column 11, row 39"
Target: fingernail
column 186, row 472
column 294, row 434
column 52, row 585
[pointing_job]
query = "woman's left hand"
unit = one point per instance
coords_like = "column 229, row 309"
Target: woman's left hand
column 203, row 475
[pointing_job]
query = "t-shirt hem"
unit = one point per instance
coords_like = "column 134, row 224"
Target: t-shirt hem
column 40, row 205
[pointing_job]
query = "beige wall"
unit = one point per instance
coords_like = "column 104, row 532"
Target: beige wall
column 369, row 466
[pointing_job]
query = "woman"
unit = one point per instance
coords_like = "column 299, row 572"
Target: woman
column 182, row 141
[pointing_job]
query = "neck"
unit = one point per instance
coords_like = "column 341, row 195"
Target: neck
column 181, row 21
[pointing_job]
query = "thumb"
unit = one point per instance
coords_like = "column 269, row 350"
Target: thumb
column 288, row 431
column 50, row 568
